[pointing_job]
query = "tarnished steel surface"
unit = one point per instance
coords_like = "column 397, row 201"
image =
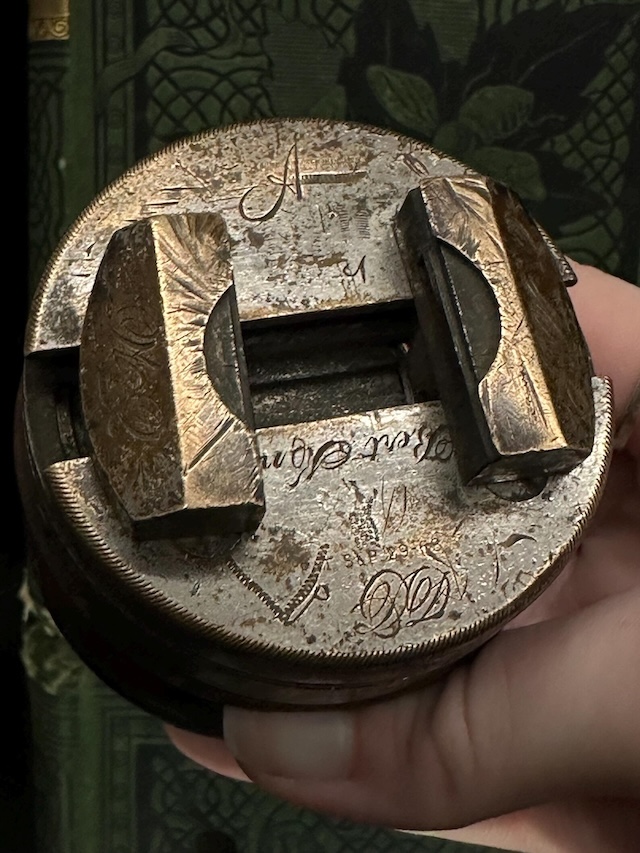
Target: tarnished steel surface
column 308, row 206
column 241, row 459
column 370, row 549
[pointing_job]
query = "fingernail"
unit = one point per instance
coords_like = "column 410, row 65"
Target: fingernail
column 291, row 745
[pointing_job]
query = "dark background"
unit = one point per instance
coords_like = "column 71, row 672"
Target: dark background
column 15, row 750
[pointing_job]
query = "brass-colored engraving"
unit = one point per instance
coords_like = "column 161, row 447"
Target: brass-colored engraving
column 516, row 383
column 177, row 448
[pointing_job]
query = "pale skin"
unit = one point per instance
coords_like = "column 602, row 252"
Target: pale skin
column 534, row 745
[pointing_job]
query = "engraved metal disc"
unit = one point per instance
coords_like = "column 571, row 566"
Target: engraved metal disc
column 374, row 565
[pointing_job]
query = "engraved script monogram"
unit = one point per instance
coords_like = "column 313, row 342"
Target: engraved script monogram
column 292, row 180
column 424, row 444
column 391, row 601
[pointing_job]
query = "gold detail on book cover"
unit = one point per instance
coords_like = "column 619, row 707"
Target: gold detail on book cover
column 48, row 20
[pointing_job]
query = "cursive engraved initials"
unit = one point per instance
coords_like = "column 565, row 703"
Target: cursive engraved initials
column 434, row 549
column 424, row 444
column 307, row 460
column 283, row 184
column 391, row 602
column 359, row 270
column 308, row 591
column 292, row 180
column 434, row 444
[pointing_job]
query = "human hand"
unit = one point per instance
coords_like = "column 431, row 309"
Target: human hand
column 534, row 744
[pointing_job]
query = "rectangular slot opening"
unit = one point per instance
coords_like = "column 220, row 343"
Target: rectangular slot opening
column 336, row 363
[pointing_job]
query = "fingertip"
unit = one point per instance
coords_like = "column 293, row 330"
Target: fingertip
column 310, row 745
column 608, row 310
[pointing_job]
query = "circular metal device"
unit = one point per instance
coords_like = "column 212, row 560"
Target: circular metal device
column 306, row 417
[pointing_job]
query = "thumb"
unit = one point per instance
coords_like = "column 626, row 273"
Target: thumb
column 543, row 713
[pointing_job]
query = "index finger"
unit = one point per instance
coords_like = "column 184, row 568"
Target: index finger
column 608, row 310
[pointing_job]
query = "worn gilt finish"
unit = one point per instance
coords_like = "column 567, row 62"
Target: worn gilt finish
column 529, row 383
column 169, row 441
column 375, row 564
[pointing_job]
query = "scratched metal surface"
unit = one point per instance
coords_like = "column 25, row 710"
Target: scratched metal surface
column 372, row 556
column 370, row 545
column 328, row 189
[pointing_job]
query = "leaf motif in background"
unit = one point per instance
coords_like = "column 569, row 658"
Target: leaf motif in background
column 517, row 169
column 407, row 98
column 558, row 53
column 497, row 112
column 569, row 195
column 333, row 105
column 526, row 82
column 387, row 34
